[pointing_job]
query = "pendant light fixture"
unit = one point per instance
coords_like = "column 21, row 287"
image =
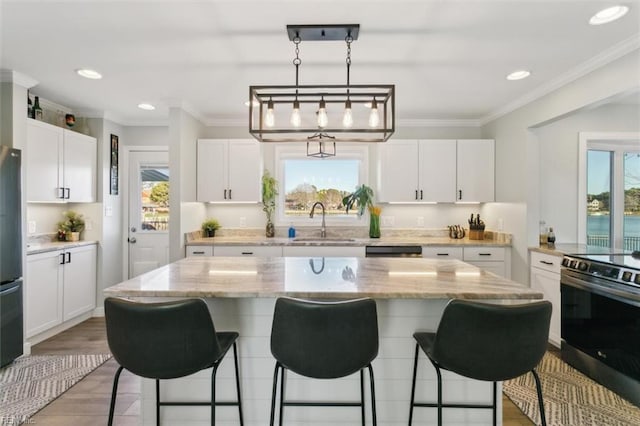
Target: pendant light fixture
column 322, row 114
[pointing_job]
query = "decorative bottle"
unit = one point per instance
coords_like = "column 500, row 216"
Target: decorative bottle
column 292, row 231
column 29, row 106
column 551, row 239
column 37, row 111
column 543, row 233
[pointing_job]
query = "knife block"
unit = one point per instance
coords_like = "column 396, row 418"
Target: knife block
column 476, row 234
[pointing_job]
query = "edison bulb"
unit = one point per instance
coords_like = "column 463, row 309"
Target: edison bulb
column 296, row 120
column 269, row 117
column 323, row 119
column 374, row 117
column 347, row 118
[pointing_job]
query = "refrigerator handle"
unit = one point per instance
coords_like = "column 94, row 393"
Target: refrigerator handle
column 10, row 290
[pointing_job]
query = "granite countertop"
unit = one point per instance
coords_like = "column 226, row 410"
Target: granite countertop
column 562, row 249
column 331, row 277
column 336, row 241
column 43, row 247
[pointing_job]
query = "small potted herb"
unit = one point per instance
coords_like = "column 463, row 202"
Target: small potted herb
column 209, row 227
column 72, row 225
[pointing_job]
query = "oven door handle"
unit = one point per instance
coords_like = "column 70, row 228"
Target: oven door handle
column 603, row 290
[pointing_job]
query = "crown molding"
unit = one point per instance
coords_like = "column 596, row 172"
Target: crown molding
column 15, row 77
column 615, row 52
column 434, row 122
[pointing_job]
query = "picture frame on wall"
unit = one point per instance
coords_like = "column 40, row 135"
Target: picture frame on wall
column 113, row 175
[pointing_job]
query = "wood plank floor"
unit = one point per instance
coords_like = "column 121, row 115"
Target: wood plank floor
column 87, row 403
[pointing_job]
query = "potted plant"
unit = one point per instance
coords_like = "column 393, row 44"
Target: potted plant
column 209, row 227
column 269, row 192
column 72, row 225
column 363, row 198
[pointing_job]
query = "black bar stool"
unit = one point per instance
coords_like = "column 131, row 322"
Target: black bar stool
column 324, row 340
column 485, row 342
column 166, row 341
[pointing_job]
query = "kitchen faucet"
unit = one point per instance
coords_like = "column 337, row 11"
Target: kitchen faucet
column 323, row 230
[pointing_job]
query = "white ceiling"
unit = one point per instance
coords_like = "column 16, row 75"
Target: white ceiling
column 448, row 59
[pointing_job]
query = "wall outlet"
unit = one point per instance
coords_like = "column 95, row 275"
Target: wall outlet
column 88, row 225
column 108, row 211
column 387, row 220
column 243, row 222
column 32, row 226
column 421, row 221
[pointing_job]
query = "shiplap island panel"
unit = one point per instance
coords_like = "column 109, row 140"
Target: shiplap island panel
column 410, row 294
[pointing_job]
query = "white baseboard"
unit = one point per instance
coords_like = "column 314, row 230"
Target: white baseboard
column 98, row 312
column 26, row 348
column 33, row 340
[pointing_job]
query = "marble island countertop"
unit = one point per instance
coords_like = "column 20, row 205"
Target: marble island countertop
column 331, row 277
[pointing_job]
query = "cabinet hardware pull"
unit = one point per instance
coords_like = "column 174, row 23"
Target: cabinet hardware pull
column 198, row 252
column 421, row 194
column 69, row 257
column 546, row 263
column 62, row 261
column 484, row 254
column 460, row 194
column 416, row 194
column 230, row 194
column 68, row 193
column 225, row 194
column 442, row 254
column 60, row 193
column 247, row 252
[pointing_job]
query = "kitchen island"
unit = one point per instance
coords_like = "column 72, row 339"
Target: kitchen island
column 410, row 294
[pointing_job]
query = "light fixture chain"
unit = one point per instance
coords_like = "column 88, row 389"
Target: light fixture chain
column 349, row 40
column 297, row 61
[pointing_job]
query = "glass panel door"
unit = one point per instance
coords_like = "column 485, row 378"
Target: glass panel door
column 631, row 224
column 599, row 198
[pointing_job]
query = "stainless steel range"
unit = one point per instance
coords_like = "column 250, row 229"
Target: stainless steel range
column 600, row 319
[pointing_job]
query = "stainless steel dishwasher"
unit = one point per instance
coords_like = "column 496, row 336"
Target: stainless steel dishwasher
column 393, row 251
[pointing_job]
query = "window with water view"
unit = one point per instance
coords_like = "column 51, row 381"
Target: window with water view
column 309, row 180
column 613, row 199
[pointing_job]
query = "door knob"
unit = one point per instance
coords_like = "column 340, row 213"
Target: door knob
column 132, row 240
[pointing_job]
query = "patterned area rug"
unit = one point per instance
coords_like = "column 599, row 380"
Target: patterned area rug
column 570, row 398
column 31, row 382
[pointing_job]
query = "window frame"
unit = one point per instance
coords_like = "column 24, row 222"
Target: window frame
column 618, row 143
column 345, row 151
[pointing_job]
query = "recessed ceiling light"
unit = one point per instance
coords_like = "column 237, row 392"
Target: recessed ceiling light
column 255, row 103
column 146, row 107
column 608, row 15
column 518, row 75
column 87, row 73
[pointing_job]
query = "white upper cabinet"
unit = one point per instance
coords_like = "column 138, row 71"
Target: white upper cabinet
column 229, row 170
column 436, row 170
column 398, row 177
column 476, row 170
column 61, row 164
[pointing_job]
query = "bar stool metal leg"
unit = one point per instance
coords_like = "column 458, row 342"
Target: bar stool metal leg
column 214, row 370
column 495, row 403
column 235, row 361
column 157, row 402
column 282, row 390
column 274, row 393
column 413, row 384
column 439, row 375
column 373, row 396
column 543, row 416
column 362, row 394
column 114, row 392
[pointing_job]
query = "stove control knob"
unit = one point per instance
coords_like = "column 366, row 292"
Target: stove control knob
column 565, row 262
column 637, row 279
column 582, row 266
column 626, row 276
column 573, row 264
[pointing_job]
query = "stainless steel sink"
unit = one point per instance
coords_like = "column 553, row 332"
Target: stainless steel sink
column 320, row 240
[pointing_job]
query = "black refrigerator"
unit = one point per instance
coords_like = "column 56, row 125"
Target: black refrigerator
column 11, row 324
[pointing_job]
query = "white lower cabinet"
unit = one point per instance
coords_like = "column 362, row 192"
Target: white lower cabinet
column 60, row 286
column 545, row 277
column 492, row 259
column 442, row 252
column 199, row 251
column 248, row 251
column 323, row 251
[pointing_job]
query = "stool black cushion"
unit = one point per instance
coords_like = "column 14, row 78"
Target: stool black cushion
column 485, row 342
column 324, row 340
column 166, row 341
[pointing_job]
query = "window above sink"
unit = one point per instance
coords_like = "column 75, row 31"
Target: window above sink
column 304, row 180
